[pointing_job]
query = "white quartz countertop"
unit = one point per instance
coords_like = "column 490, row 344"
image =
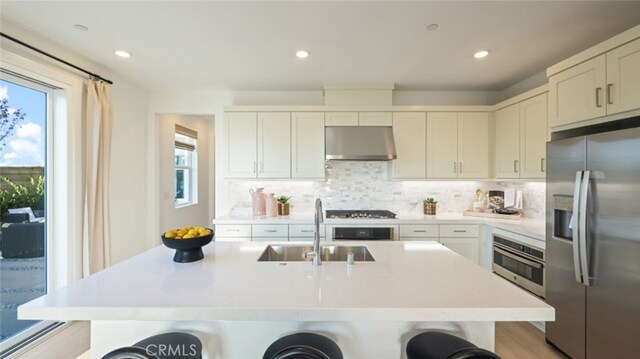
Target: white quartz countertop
column 409, row 281
column 525, row 226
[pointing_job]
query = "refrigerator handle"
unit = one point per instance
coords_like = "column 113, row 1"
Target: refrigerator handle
column 584, row 264
column 575, row 227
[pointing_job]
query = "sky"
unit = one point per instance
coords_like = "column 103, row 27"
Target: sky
column 26, row 145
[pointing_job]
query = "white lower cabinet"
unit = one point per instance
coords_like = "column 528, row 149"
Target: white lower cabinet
column 466, row 247
column 463, row 239
column 232, row 232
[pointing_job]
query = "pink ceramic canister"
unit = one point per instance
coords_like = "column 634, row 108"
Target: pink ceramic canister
column 258, row 201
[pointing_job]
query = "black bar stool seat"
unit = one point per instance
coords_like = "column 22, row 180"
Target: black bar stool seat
column 438, row 345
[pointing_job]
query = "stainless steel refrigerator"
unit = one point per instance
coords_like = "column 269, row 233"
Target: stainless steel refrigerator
column 593, row 241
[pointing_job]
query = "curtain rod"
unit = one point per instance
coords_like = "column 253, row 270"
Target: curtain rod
column 96, row 76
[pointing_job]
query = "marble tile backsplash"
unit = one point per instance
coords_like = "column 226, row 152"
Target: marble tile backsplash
column 368, row 185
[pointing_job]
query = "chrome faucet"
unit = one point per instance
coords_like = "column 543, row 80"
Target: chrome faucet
column 319, row 218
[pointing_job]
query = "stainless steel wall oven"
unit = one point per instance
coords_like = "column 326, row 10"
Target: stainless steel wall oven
column 519, row 262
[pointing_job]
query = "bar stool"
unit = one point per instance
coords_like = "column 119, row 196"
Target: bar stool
column 438, row 345
column 303, row 346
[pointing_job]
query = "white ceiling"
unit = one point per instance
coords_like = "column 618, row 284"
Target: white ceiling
column 251, row 45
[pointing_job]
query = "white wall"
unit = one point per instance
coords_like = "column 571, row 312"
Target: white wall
column 196, row 214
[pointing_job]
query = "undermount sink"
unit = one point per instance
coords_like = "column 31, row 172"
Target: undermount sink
column 330, row 253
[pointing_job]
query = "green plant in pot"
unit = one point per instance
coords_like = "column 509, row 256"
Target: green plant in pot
column 283, row 205
column 430, row 206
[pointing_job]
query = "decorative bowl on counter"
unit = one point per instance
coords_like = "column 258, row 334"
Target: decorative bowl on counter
column 188, row 249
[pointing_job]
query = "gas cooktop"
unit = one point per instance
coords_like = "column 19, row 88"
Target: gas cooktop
column 358, row 214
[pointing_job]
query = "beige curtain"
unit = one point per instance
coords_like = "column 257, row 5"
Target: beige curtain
column 96, row 239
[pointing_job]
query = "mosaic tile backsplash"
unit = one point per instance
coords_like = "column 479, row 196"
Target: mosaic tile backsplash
column 368, row 185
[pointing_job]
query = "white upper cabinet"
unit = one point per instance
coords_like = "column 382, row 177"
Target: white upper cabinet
column 374, row 119
column 241, row 133
column 533, row 136
column 603, row 85
column 507, row 142
column 578, row 93
column 274, row 145
column 473, row 145
column 410, row 137
column 457, row 145
column 623, row 78
column 442, row 145
column 521, row 136
column 258, row 144
column 307, row 145
column 341, row 119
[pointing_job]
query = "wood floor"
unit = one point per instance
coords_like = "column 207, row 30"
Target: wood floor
column 521, row 340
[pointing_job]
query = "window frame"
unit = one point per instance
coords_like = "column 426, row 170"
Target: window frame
column 189, row 168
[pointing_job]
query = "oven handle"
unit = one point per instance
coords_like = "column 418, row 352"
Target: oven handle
column 517, row 257
column 519, row 254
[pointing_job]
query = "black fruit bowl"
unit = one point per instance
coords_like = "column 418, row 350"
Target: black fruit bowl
column 188, row 250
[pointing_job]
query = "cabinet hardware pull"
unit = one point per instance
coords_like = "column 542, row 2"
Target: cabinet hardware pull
column 459, row 231
column 270, row 230
column 455, row 167
column 598, row 89
column 253, row 170
column 419, row 230
column 515, row 163
column 609, row 101
column 460, row 166
column 307, row 231
column 542, row 164
column 261, row 167
column 233, row 230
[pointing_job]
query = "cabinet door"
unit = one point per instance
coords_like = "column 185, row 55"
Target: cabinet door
column 307, row 145
column 623, row 78
column 410, row 136
column 473, row 145
column 507, row 142
column 442, row 145
column 240, row 135
column 466, row 247
column 577, row 94
column 274, row 145
column 374, row 119
column 533, row 136
column 341, row 119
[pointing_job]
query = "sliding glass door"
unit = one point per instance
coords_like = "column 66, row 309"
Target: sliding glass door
column 24, row 117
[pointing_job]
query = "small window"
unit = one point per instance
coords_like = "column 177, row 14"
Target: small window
column 186, row 166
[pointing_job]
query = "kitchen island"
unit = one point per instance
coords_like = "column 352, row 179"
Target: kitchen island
column 238, row 306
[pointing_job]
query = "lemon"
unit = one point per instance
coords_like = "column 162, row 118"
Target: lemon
column 203, row 232
column 182, row 232
column 188, row 235
column 171, row 234
column 178, row 237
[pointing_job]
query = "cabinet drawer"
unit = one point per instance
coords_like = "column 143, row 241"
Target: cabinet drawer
column 233, row 230
column 266, row 230
column 232, row 239
column 418, row 230
column 304, row 230
column 459, row 230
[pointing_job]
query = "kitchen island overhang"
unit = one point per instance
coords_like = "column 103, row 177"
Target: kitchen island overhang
column 368, row 307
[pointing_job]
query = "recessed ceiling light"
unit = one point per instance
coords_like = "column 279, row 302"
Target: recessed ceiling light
column 432, row 27
column 302, row 54
column 481, row 54
column 122, row 54
column 80, row 27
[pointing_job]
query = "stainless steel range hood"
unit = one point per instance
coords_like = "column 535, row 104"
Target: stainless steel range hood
column 359, row 143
